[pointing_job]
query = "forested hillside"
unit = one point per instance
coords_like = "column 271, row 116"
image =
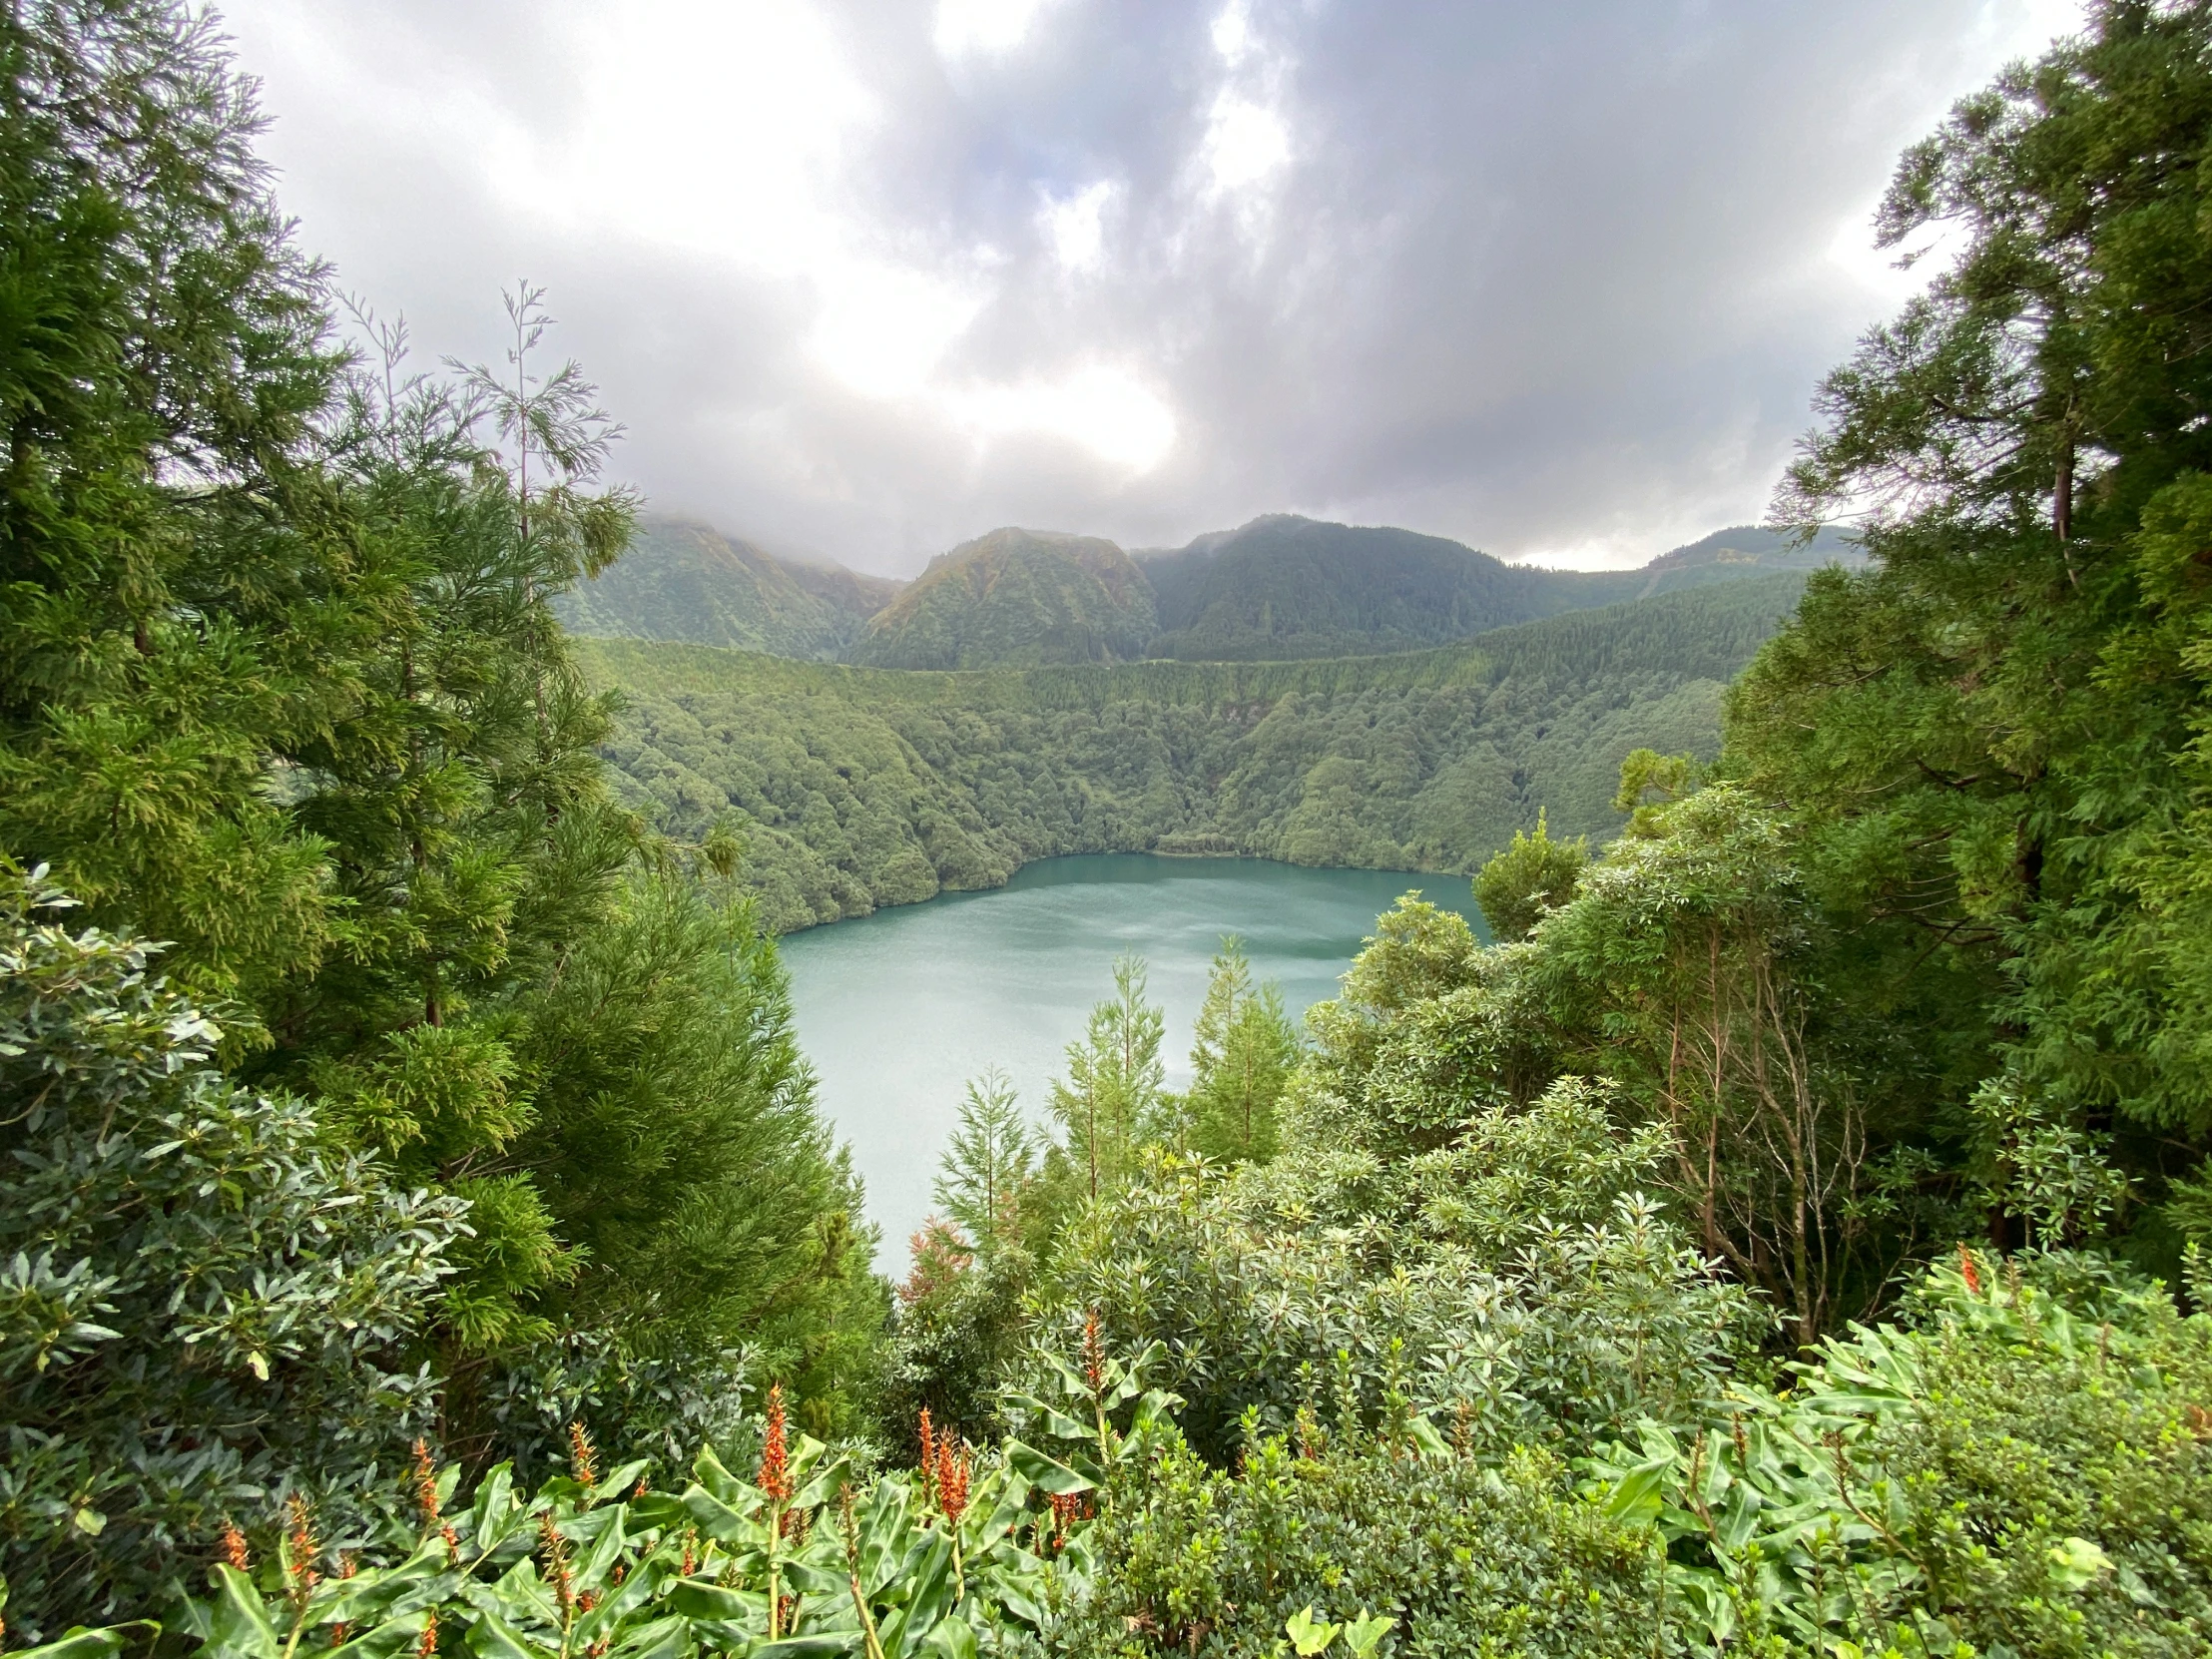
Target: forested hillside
column 853, row 789
column 1284, row 586
column 683, row 581
column 1281, row 587
column 1015, row 598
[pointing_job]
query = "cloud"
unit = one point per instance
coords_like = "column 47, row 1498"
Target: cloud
column 870, row 279
column 1075, row 226
column 966, row 26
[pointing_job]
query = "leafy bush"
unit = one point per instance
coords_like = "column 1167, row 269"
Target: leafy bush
column 1515, row 1280
column 205, row 1305
column 2025, row 1468
column 1465, row 1557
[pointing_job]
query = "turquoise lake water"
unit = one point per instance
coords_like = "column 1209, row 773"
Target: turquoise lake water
column 898, row 1010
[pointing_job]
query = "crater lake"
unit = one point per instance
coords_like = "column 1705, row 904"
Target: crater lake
column 897, row 1010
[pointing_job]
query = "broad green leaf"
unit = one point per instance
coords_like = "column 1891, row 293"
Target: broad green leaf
column 700, row 1598
column 820, row 1486
column 495, row 1516
column 1635, row 1500
column 952, row 1639
column 669, row 1638
column 605, row 1551
column 1044, row 1472
column 2075, row 1563
column 808, row 1647
column 1365, row 1634
column 1308, row 1635
column 490, row 1637
column 89, row 1644
column 238, row 1623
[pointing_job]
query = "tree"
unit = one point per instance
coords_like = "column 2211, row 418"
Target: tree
column 281, row 681
column 1113, row 1087
column 990, row 1158
column 1242, row 1053
column 176, row 601
column 1994, row 736
column 1531, row 876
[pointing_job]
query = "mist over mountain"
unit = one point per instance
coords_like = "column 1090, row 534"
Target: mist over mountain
column 1279, row 587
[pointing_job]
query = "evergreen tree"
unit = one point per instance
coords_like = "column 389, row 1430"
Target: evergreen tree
column 280, row 682
column 1241, row 1054
column 1531, row 876
column 178, row 602
column 991, row 1156
column 1112, row 1094
column 1993, row 737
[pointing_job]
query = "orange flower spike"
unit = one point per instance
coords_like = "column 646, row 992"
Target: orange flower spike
column 583, row 1456
column 234, row 1548
column 301, row 1568
column 1094, row 1353
column 426, row 1486
column 1067, row 1510
column 953, row 1480
column 1967, row 1270
column 928, row 1466
column 429, row 1644
column 776, row 1474
column 555, row 1549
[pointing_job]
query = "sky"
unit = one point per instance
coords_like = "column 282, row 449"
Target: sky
column 864, row 279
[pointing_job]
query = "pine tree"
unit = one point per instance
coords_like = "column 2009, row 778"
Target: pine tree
column 1241, row 1054
column 1113, row 1089
column 176, row 599
column 991, row 1156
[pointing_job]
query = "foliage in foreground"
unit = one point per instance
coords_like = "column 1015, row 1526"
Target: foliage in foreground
column 205, row 1303
column 808, row 1559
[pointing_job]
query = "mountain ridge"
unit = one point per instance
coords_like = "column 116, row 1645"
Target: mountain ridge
column 1279, row 587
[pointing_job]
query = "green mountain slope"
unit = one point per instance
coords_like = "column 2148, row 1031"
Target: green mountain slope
column 685, row 581
column 1284, row 586
column 1745, row 550
column 1015, row 598
column 857, row 787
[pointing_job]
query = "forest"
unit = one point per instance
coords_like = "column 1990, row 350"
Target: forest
column 417, row 1235
column 852, row 789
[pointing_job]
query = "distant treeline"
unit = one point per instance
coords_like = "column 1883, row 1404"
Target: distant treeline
column 855, row 787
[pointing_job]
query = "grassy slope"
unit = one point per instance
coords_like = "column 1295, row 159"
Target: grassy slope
column 859, row 788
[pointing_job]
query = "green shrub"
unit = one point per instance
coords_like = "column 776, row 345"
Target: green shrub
column 1468, row 1557
column 205, row 1305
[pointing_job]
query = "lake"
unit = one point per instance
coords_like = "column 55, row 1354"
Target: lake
column 897, row 1010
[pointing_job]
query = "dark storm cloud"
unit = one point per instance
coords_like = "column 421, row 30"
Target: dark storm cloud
column 871, row 277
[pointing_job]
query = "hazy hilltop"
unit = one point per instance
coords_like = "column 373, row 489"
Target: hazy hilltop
column 1288, row 587
column 1279, row 588
column 682, row 580
column 1745, row 550
column 1015, row 598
